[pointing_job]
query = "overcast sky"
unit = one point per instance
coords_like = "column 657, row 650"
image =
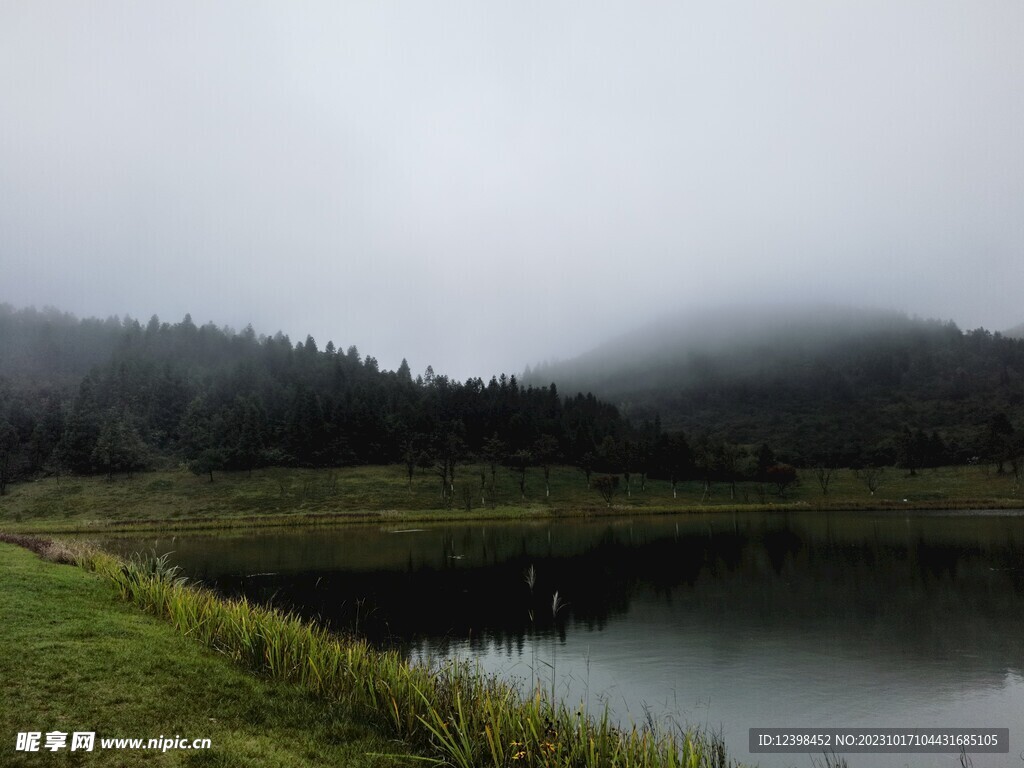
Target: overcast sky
column 481, row 185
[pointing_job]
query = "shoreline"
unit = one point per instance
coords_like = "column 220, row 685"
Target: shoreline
column 450, row 714
column 343, row 519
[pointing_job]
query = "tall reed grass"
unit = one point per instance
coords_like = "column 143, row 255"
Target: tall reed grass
column 447, row 715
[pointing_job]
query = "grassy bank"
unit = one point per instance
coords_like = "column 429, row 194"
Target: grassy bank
column 120, row 673
column 180, row 500
column 80, row 659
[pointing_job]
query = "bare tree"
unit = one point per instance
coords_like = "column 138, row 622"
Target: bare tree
column 871, row 477
column 823, row 473
column 781, row 476
column 449, row 450
column 606, row 485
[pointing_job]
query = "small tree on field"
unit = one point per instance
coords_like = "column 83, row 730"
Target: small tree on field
column 728, row 460
column 782, row 476
column 606, row 485
column 494, row 452
column 545, row 451
column 1000, row 441
column 642, row 459
column 705, row 461
column 627, row 459
column 449, row 451
column 823, row 473
column 585, row 464
column 871, row 477
column 672, row 459
column 520, row 462
column 208, row 461
column 410, row 457
column 1017, row 461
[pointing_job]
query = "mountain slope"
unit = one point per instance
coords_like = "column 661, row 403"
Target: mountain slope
column 809, row 380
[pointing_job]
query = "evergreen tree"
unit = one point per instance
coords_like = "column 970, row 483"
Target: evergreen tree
column 118, row 447
column 247, row 451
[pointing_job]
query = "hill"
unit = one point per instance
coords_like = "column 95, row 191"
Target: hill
column 812, row 382
column 92, row 396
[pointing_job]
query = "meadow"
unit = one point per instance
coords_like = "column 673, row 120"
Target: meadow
column 177, row 500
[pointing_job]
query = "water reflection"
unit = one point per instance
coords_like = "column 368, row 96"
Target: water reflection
column 785, row 619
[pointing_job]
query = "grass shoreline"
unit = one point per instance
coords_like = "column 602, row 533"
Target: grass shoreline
column 80, row 659
column 451, row 715
column 179, row 501
column 314, row 520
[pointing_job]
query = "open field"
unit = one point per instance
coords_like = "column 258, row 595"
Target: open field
column 180, row 500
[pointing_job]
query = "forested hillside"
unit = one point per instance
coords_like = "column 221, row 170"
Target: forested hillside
column 721, row 397
column 817, row 384
column 118, row 396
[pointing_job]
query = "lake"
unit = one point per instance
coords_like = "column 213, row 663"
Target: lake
column 726, row 620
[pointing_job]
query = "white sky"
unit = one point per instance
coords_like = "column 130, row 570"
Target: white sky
column 482, row 185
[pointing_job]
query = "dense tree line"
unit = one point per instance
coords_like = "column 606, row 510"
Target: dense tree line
column 215, row 399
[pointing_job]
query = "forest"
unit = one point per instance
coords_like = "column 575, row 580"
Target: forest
column 118, row 396
column 819, row 385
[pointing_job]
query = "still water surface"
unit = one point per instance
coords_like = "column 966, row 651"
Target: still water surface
column 730, row 621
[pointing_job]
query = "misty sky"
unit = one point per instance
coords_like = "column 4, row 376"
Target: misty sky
column 482, row 185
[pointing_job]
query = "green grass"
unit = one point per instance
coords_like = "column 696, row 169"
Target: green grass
column 180, row 500
column 79, row 659
column 91, row 665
